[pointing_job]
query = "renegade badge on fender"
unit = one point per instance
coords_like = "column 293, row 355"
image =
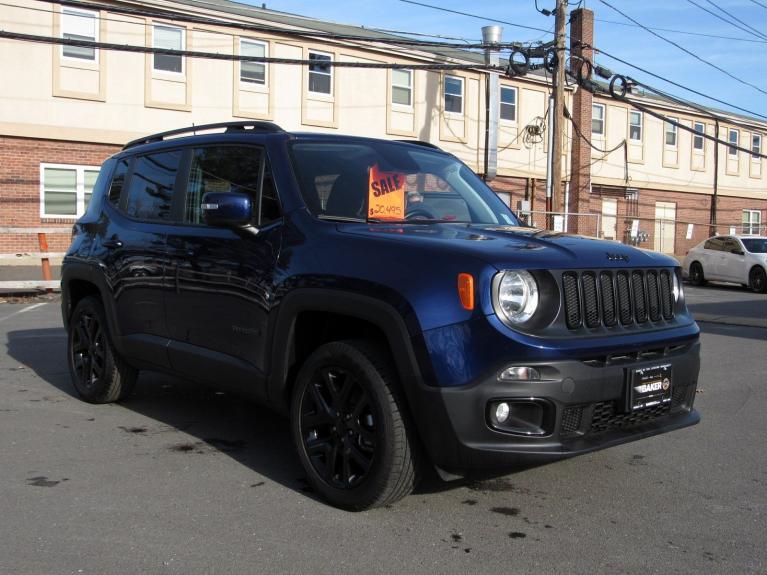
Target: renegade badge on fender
column 381, row 295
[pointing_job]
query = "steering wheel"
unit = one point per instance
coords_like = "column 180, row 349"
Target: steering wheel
column 420, row 213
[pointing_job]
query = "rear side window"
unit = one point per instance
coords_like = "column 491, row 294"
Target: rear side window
column 714, row 244
column 118, row 182
column 150, row 192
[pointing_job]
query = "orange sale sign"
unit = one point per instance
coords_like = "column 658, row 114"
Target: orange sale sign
column 386, row 195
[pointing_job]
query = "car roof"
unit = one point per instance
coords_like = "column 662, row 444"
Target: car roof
column 243, row 132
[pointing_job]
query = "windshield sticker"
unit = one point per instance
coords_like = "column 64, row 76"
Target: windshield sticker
column 386, row 195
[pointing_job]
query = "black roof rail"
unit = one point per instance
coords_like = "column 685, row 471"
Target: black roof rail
column 267, row 127
column 421, row 143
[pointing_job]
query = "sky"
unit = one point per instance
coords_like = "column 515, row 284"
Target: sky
column 742, row 56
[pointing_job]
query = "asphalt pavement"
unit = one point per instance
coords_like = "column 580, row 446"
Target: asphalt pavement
column 179, row 479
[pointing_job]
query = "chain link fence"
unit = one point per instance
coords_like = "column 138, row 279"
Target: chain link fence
column 673, row 237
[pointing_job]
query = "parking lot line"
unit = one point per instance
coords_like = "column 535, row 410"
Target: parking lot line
column 24, row 310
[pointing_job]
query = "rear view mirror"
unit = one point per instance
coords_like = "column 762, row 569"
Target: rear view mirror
column 226, row 209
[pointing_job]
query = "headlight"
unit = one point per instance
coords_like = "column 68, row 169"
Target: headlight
column 677, row 286
column 515, row 297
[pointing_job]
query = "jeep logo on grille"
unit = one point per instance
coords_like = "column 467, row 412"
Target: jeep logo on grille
column 617, row 257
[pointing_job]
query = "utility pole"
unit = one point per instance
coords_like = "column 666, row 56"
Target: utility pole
column 557, row 118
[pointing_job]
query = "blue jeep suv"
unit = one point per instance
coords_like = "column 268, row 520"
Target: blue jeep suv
column 381, row 295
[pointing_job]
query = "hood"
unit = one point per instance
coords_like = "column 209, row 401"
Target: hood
column 513, row 247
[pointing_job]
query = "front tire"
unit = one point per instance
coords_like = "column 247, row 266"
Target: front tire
column 696, row 274
column 98, row 373
column 350, row 427
column 757, row 279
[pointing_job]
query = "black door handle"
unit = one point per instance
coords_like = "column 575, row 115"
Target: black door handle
column 112, row 244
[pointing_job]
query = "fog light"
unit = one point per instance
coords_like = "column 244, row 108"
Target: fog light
column 519, row 373
column 502, row 412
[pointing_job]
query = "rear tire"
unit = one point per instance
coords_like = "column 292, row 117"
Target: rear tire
column 757, row 279
column 98, row 373
column 350, row 427
column 696, row 274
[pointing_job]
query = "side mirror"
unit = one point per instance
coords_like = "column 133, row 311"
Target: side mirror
column 736, row 251
column 226, row 209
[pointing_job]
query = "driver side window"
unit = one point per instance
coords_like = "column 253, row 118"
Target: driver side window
column 237, row 169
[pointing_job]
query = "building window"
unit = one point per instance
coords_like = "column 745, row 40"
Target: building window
column 66, row 190
column 253, row 72
column 732, row 137
column 756, row 145
column 454, row 94
column 169, row 38
column 79, row 25
column 402, row 87
column 598, row 119
column 752, row 220
column 508, row 103
column 320, row 73
column 670, row 131
column 697, row 140
column 635, row 126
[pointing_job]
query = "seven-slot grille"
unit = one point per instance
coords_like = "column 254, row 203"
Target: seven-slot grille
column 609, row 298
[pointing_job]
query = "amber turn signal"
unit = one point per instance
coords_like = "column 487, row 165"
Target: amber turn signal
column 466, row 290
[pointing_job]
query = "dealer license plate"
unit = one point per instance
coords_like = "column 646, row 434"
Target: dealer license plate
column 649, row 386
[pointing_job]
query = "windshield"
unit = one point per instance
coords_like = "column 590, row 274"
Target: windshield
column 755, row 245
column 386, row 182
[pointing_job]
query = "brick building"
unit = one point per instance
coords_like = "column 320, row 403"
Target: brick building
column 69, row 108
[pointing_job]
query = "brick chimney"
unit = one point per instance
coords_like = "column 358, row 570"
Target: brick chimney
column 581, row 30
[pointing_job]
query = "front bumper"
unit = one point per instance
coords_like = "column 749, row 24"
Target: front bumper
column 582, row 407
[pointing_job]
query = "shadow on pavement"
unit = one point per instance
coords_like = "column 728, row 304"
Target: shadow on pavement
column 740, row 331
column 252, row 435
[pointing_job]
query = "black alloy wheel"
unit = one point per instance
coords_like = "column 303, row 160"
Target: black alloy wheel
column 758, row 279
column 696, row 274
column 88, row 350
column 351, row 428
column 98, row 373
column 338, row 427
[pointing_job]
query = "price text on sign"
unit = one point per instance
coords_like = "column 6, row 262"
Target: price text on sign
column 386, row 195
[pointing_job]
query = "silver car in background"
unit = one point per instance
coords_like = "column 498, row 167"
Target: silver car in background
column 737, row 259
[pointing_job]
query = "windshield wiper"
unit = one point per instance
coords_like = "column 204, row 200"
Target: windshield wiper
column 340, row 218
column 416, row 221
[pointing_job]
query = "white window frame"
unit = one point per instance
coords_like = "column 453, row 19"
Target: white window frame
column 96, row 25
column 756, row 149
column 79, row 189
column 602, row 119
column 265, row 46
column 730, row 150
column 513, row 106
column 329, row 73
column 409, row 88
column 669, row 128
column 752, row 221
column 461, row 95
column 640, row 125
column 156, row 25
column 697, row 136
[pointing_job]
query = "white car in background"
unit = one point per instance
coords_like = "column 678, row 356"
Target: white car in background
column 738, row 259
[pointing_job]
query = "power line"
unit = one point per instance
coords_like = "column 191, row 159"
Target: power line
column 734, row 17
column 723, row 19
column 238, row 57
column 685, row 50
column 759, row 4
column 486, row 18
column 677, row 84
column 688, row 32
column 181, row 17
